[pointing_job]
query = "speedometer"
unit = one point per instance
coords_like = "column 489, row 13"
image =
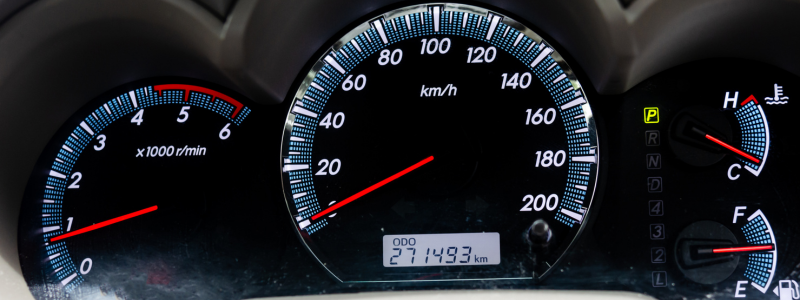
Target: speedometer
column 439, row 142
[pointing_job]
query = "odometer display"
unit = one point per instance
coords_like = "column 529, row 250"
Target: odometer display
column 452, row 249
column 439, row 119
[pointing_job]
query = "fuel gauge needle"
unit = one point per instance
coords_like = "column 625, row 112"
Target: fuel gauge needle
column 104, row 223
column 736, row 249
column 724, row 144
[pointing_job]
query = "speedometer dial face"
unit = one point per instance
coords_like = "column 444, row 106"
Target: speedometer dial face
column 439, row 142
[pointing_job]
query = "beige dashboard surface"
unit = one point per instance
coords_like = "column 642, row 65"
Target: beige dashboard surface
column 477, row 295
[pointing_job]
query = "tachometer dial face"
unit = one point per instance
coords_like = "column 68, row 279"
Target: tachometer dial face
column 439, row 142
column 144, row 191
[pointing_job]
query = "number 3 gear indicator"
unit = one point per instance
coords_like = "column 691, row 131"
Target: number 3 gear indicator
column 392, row 133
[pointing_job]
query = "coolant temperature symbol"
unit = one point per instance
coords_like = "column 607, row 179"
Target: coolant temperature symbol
column 779, row 98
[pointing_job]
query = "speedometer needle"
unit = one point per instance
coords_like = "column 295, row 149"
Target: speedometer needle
column 104, row 223
column 724, row 144
column 371, row 188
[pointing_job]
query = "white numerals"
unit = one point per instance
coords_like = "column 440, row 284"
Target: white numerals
column 358, row 84
column 548, row 117
column 101, row 142
column 523, row 81
column 225, row 133
column 540, row 202
column 394, row 57
column 77, row 176
column 434, row 45
column 86, row 266
column 184, row 114
column 482, row 55
column 137, row 118
column 69, row 224
column 547, row 158
column 336, row 120
column 335, row 165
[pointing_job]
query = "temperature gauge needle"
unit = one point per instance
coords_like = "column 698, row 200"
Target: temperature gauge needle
column 724, row 144
column 104, row 223
column 372, row 188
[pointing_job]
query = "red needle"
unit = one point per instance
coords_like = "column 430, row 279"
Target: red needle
column 371, row 188
column 104, row 223
column 742, row 249
column 737, row 151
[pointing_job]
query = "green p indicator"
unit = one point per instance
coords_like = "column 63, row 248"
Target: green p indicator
column 651, row 115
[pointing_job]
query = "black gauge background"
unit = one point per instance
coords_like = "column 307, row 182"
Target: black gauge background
column 211, row 237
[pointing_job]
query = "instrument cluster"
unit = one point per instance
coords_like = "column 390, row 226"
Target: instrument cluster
column 424, row 146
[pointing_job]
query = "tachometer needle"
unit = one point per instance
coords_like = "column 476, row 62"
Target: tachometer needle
column 371, row 188
column 724, row 144
column 104, row 223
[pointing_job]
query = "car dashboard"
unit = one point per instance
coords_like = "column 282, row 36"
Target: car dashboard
column 244, row 149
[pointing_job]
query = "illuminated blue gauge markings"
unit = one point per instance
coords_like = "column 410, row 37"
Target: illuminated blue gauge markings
column 89, row 135
column 445, row 108
column 760, row 265
column 755, row 134
column 537, row 55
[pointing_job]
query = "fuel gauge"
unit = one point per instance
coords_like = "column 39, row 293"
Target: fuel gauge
column 709, row 252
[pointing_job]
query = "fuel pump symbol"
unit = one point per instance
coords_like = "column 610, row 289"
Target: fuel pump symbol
column 787, row 290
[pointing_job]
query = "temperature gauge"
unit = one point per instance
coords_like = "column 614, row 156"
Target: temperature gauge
column 702, row 135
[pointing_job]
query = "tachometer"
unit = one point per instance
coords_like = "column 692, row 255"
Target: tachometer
column 147, row 190
column 439, row 142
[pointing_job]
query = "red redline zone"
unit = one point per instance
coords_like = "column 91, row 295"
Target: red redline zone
column 104, row 223
column 742, row 249
column 729, row 147
column 214, row 94
column 371, row 188
column 751, row 98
